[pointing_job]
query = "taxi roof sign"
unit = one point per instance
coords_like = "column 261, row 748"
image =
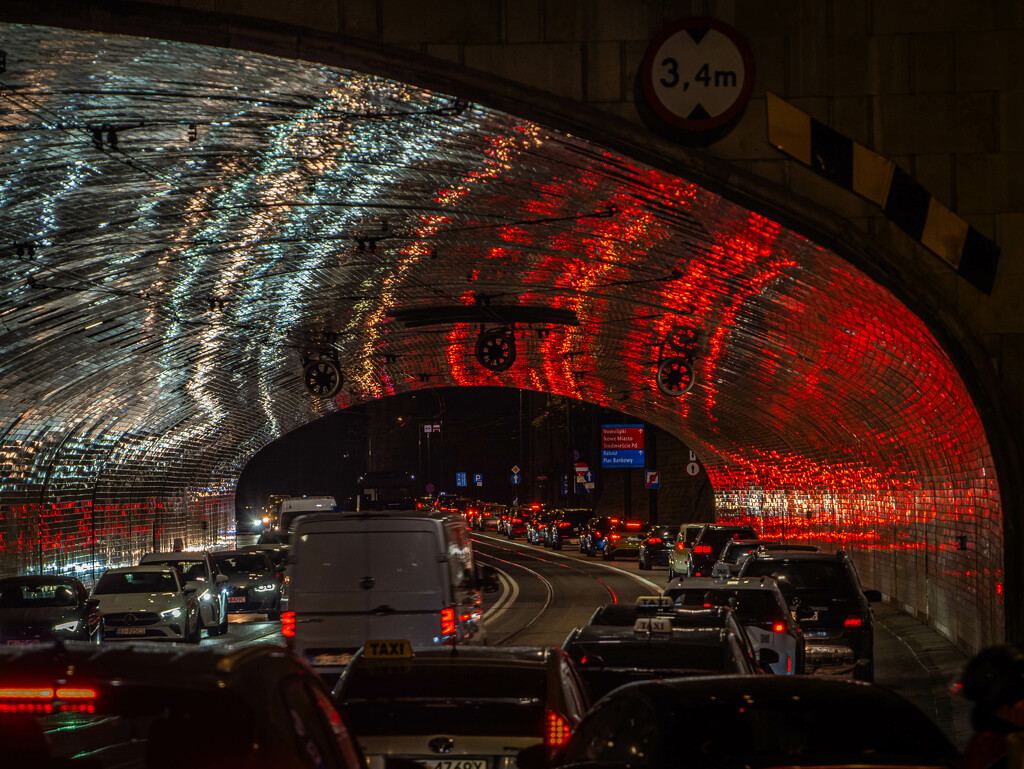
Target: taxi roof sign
column 387, row 650
column 653, row 627
column 652, row 604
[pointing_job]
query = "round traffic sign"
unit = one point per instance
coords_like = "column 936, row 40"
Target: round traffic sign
column 696, row 77
column 581, row 468
column 516, row 477
column 431, row 488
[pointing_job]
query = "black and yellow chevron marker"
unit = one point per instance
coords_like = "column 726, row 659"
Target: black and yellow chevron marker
column 906, row 203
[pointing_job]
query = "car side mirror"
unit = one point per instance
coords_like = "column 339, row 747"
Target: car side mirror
column 874, row 596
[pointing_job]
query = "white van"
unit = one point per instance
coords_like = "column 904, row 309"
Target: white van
column 291, row 508
column 354, row 577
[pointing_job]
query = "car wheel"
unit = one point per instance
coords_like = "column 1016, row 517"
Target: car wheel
column 644, row 564
column 195, row 634
column 556, row 544
column 606, row 555
column 100, row 632
column 274, row 615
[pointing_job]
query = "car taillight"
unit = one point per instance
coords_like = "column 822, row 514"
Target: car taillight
column 597, row 534
column 557, row 731
column 702, row 549
column 448, row 621
column 613, row 520
column 564, row 524
column 632, row 524
column 288, row 624
column 779, row 627
column 517, row 520
column 853, row 622
column 680, row 546
column 616, row 537
column 45, row 699
column 654, row 540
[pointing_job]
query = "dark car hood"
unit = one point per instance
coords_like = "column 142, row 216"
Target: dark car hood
column 48, row 615
column 242, row 579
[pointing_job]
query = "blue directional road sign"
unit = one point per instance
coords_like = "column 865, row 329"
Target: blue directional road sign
column 584, row 481
column 516, row 477
column 460, row 479
column 478, row 479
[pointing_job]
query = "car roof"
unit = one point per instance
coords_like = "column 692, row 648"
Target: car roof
column 475, row 655
column 176, row 555
column 800, row 555
column 701, row 636
column 39, row 579
column 723, row 583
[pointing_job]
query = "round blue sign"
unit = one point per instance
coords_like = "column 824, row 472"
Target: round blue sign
column 431, row 488
column 515, row 479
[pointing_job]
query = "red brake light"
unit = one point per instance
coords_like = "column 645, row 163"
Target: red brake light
column 853, row 622
column 44, row 699
column 597, row 534
column 557, row 730
column 32, row 693
column 613, row 520
column 779, row 627
column 680, row 546
column 654, row 540
column 702, row 549
column 68, row 693
column 288, row 624
column 632, row 524
column 448, row 621
column 517, row 520
column 563, row 524
column 616, row 536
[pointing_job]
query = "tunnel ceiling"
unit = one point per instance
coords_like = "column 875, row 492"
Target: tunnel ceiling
column 182, row 225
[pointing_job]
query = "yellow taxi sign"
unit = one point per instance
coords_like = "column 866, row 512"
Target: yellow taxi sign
column 387, row 650
column 652, row 604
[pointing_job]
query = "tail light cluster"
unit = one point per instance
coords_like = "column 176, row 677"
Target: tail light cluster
column 564, row 524
column 615, row 537
column 779, row 627
column 853, row 622
column 654, row 540
column 702, row 549
column 556, row 730
column 680, row 546
column 447, row 621
column 633, row 524
column 45, row 699
column 288, row 624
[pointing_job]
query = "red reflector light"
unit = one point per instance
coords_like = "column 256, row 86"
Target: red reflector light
column 557, row 731
column 702, row 549
column 779, row 627
column 632, row 524
column 654, row 540
column 853, row 622
column 448, row 621
column 288, row 624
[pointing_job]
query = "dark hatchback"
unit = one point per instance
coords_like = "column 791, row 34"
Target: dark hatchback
column 146, row 706
column 44, row 608
column 593, row 534
column 254, row 585
column 834, row 612
column 565, row 525
column 656, row 546
column 709, row 545
column 751, row 721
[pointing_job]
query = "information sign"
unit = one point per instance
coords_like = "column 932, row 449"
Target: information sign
column 622, row 445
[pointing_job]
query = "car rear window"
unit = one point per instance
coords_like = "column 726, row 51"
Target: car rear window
column 653, row 655
column 750, row 606
column 814, row 580
column 247, row 562
column 718, row 537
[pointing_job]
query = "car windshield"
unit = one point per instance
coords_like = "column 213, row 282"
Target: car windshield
column 763, row 730
column 733, row 553
column 191, row 569
column 242, row 563
column 750, row 606
column 808, row 580
column 28, row 595
column 136, row 582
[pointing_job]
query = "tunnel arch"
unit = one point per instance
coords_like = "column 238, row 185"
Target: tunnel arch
column 491, row 205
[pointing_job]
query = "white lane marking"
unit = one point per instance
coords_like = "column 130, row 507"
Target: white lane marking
column 657, row 588
column 508, row 585
column 547, row 602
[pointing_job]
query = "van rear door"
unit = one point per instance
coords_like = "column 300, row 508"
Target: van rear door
column 356, row 584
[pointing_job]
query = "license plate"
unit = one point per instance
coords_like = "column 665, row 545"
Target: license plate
column 131, row 631
column 331, row 659
column 454, row 763
column 236, row 599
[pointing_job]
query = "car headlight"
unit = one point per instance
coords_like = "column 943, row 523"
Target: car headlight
column 265, row 588
column 170, row 614
column 205, row 596
column 66, row 627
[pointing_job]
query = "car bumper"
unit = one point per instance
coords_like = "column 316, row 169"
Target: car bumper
column 168, row 632
column 830, row 659
column 253, row 603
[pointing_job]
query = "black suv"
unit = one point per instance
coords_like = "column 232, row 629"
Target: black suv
column 833, row 611
column 564, row 525
column 709, row 544
column 655, row 547
column 593, row 534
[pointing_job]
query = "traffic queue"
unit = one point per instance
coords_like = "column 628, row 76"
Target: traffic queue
column 758, row 655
